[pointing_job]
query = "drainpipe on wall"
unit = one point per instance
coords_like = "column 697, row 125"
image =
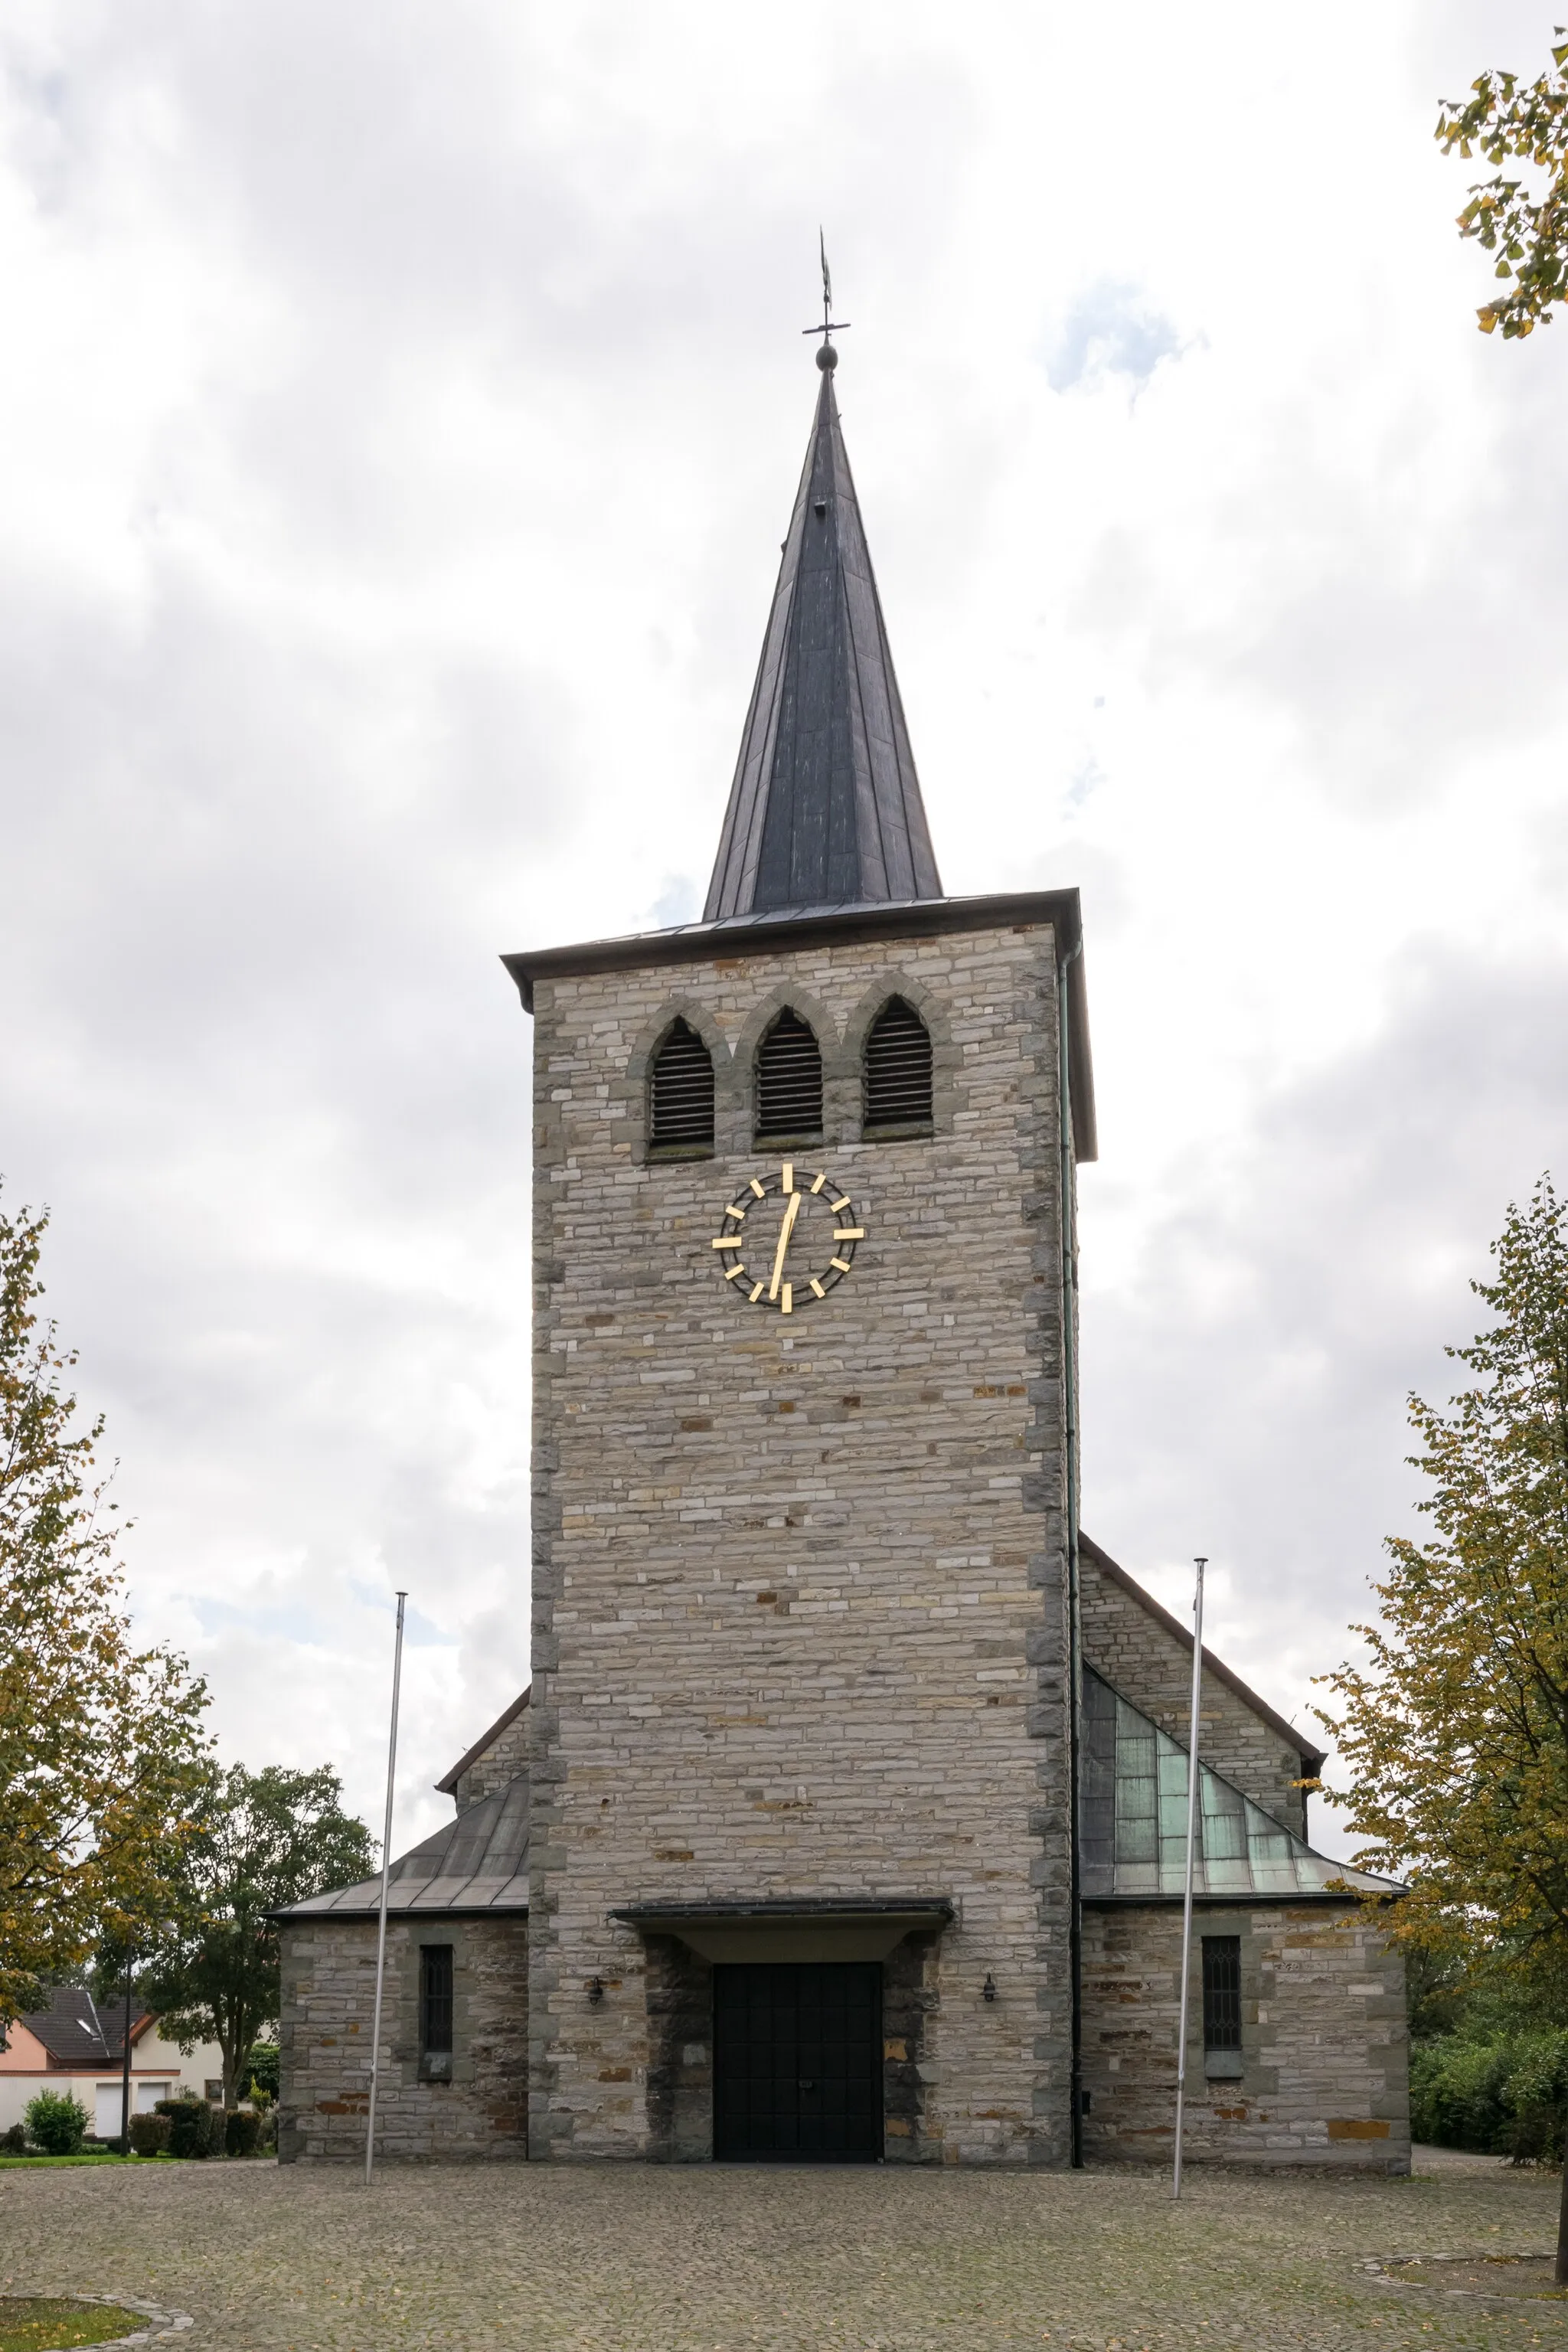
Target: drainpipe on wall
column 1075, row 1644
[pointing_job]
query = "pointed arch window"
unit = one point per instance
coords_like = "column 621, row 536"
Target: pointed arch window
column 789, row 1082
column 898, row 1073
column 681, row 1096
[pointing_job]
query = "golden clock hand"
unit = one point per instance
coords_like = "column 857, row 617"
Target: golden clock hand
column 791, row 1213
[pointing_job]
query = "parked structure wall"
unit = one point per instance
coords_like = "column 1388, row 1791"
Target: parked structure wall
column 329, row 2002
column 800, row 1619
column 1324, row 2076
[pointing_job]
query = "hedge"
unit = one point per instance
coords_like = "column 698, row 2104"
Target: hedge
column 1504, row 2094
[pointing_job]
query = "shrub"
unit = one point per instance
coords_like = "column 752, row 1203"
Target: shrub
column 191, row 2125
column 241, row 2132
column 14, row 2142
column 1502, row 2094
column 150, row 2133
column 57, row 2123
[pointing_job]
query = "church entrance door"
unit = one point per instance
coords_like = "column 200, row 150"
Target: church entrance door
column 797, row 2061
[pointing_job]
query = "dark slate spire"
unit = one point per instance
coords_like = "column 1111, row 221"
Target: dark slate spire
column 825, row 807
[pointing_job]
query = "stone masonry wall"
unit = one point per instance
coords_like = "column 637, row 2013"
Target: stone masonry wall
column 799, row 1609
column 502, row 1762
column 1324, row 2046
column 329, row 2002
column 1141, row 1659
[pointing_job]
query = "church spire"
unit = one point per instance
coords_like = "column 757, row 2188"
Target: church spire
column 825, row 806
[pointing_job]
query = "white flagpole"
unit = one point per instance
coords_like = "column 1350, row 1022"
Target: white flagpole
column 1192, row 1842
column 385, row 1867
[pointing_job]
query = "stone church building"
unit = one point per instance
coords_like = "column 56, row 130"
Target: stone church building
column 845, row 1816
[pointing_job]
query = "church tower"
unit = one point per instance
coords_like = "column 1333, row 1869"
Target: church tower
column 801, row 1874
column 845, row 1816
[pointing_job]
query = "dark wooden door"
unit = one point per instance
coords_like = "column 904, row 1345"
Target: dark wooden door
column 797, row 2061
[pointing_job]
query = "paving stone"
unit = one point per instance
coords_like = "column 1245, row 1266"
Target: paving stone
column 635, row 2258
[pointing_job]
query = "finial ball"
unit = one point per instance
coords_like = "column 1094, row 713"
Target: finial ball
column 826, row 358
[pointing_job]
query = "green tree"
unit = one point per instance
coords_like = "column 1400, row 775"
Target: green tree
column 262, row 1839
column 1526, row 123
column 1456, row 1732
column 101, row 1745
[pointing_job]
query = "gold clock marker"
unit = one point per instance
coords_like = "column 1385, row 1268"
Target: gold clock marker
column 811, row 1246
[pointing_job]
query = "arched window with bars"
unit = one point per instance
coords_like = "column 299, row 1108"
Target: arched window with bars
column 898, row 1073
column 681, row 1096
column 789, row 1082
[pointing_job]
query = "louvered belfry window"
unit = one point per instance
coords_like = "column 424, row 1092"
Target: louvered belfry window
column 681, row 1094
column 789, row 1080
column 898, row 1071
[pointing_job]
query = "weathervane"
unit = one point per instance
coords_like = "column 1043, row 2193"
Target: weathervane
column 826, row 357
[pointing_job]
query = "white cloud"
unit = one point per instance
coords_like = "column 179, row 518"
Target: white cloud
column 398, row 426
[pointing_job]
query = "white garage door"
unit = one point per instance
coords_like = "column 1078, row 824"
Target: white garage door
column 145, row 2097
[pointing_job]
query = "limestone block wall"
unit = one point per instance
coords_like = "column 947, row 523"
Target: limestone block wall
column 1148, row 1664
column 799, row 1608
column 328, row 2004
column 1324, row 2047
column 499, row 1765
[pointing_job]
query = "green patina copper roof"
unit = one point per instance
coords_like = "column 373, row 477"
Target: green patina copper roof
column 1134, row 1820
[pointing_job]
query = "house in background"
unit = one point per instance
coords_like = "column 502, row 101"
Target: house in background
column 78, row 2050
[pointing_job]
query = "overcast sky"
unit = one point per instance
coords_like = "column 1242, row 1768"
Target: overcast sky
column 400, row 411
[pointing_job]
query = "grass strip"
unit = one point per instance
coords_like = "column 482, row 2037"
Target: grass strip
column 38, row 2322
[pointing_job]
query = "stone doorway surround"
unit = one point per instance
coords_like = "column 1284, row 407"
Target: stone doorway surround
column 685, row 1943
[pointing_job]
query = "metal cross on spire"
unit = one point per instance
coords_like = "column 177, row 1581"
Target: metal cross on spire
column 830, row 325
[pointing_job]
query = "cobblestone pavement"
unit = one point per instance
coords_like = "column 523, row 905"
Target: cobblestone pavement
column 728, row 2258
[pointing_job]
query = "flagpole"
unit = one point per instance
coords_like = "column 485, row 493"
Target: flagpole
column 381, row 1922
column 1192, row 1842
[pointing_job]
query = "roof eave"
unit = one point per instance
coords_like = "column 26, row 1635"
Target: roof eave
column 448, row 1787
column 1255, row 1901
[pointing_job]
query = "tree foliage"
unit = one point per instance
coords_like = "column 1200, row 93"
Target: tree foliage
column 262, row 1839
column 1500, row 2093
column 100, row 1744
column 1509, row 121
column 1456, row 1731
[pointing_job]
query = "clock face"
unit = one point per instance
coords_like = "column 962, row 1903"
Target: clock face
column 787, row 1239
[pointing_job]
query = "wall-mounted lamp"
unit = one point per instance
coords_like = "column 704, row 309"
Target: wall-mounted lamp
column 988, row 1990
column 596, row 1990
